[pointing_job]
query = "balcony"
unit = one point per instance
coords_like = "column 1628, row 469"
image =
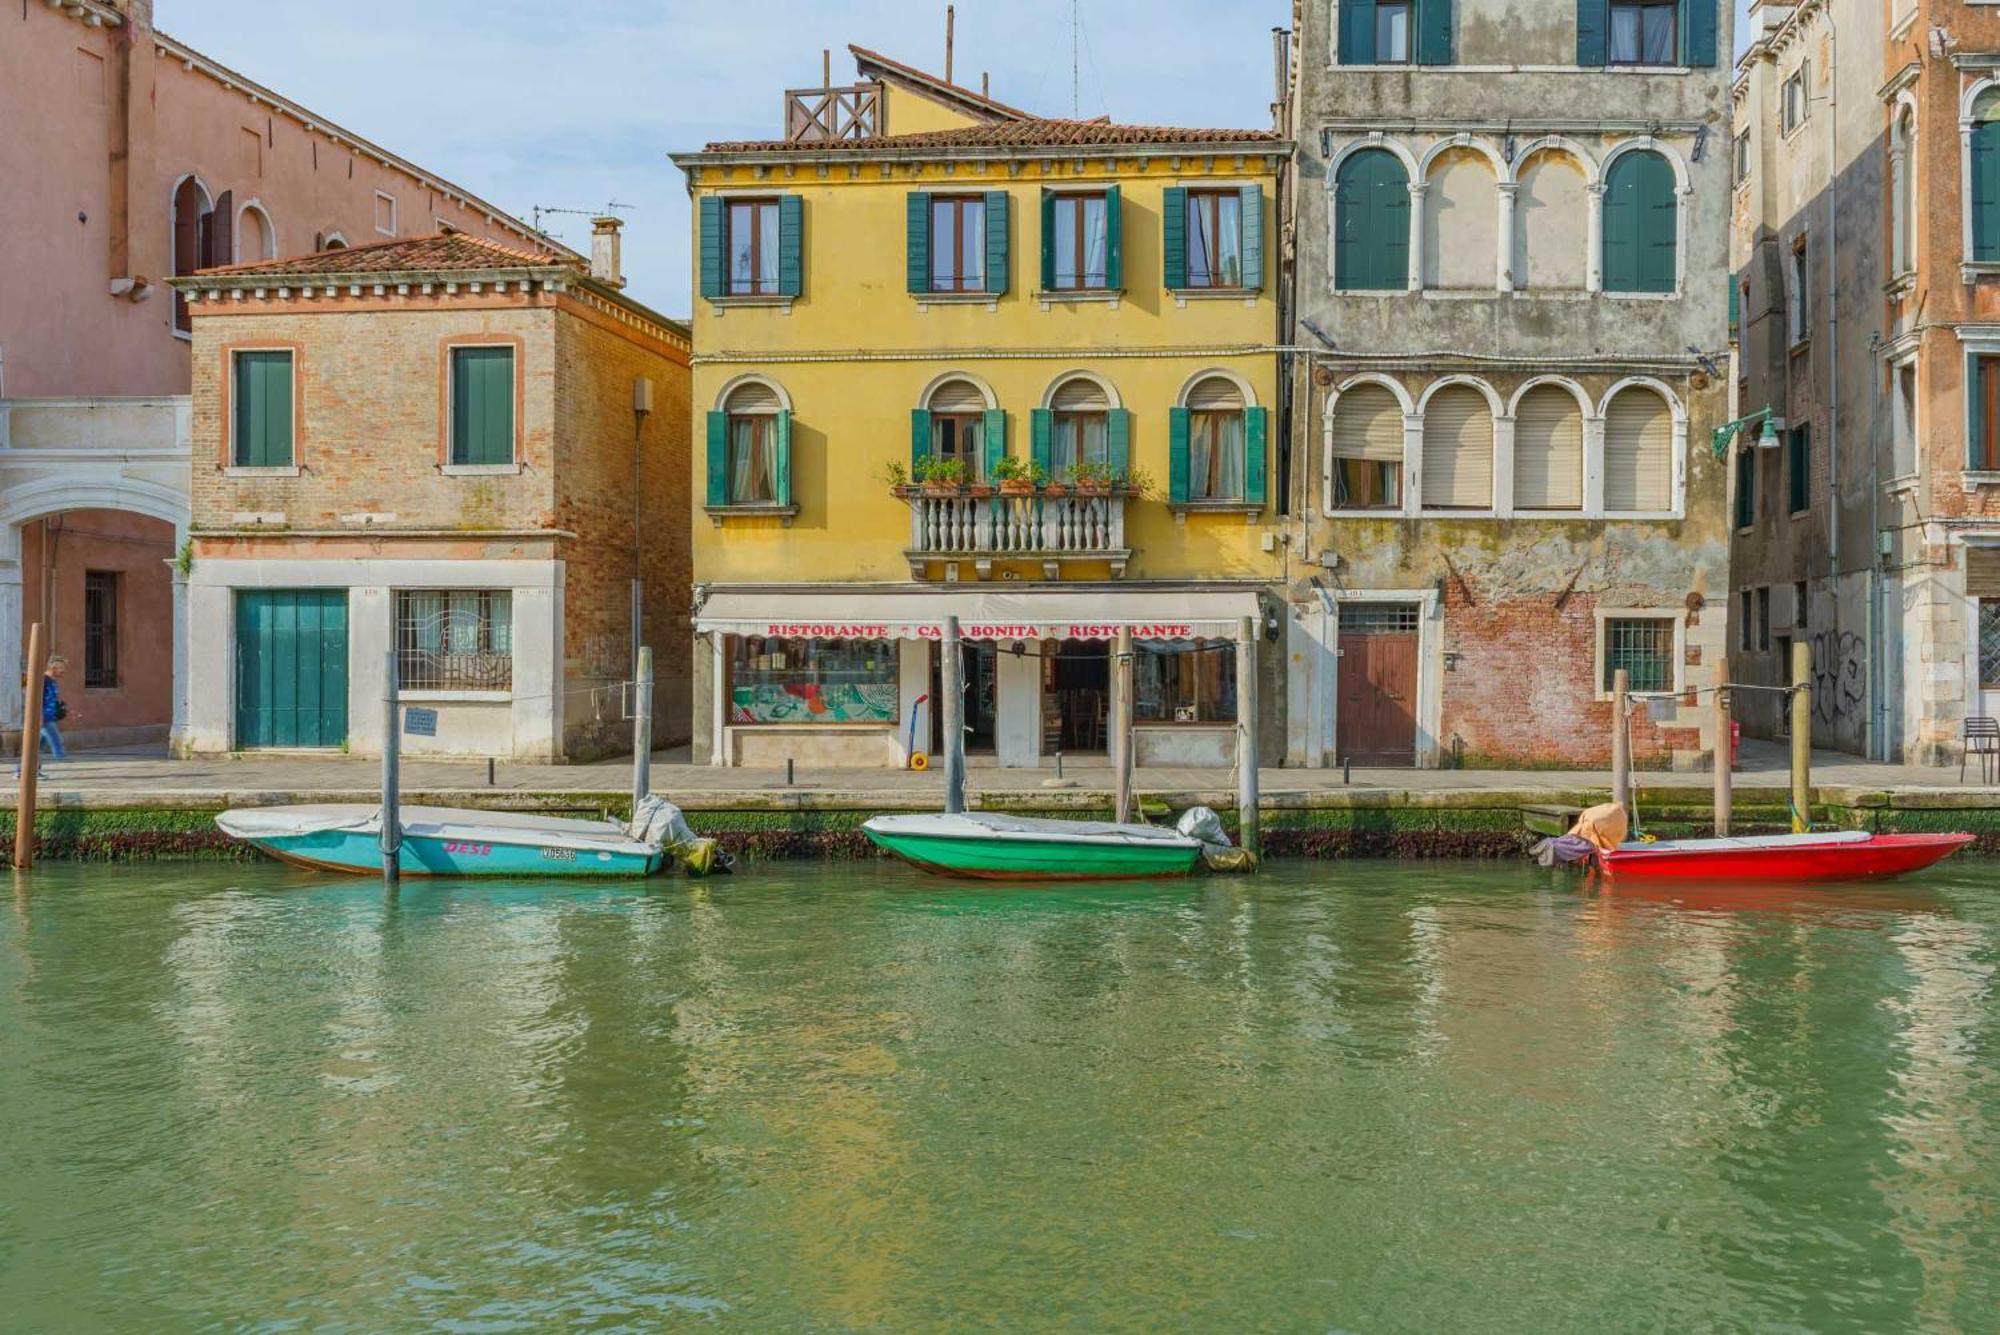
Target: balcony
column 1049, row 529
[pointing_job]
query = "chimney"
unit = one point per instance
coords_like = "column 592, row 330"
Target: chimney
column 607, row 258
column 1281, row 58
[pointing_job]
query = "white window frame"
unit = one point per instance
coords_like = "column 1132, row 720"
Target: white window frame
column 1792, row 117
column 395, row 214
column 1907, row 361
column 1798, row 294
column 1606, row 615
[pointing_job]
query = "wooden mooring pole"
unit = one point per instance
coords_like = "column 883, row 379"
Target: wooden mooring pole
column 1802, row 713
column 1621, row 741
column 31, row 750
column 1249, row 831
column 392, row 821
column 1122, row 682
column 951, row 714
column 1724, row 780
column 642, row 729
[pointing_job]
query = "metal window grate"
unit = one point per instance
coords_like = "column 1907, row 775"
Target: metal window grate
column 1989, row 643
column 1378, row 618
column 455, row 639
column 1644, row 647
column 100, row 629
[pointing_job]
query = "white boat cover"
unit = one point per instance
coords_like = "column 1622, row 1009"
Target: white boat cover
column 983, row 614
column 987, row 825
column 484, row 827
column 1737, row 844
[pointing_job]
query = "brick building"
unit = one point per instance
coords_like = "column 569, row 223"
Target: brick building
column 465, row 451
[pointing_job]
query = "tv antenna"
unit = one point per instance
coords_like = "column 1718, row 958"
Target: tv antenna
column 1075, row 64
column 544, row 210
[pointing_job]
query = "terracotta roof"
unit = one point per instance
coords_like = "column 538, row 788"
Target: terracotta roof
column 438, row 252
column 1031, row 133
column 863, row 57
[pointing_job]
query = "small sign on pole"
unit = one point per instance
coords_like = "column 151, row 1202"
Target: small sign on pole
column 418, row 722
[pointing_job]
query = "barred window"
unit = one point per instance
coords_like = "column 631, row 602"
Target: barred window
column 455, row 639
column 100, row 629
column 1644, row 647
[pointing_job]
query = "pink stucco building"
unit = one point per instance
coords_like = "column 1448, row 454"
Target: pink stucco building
column 147, row 159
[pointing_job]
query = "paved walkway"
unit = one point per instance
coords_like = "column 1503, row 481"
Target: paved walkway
column 99, row 775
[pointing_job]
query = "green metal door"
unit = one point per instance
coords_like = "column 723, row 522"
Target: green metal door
column 291, row 667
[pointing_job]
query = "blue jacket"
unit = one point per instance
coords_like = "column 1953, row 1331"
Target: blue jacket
column 50, row 700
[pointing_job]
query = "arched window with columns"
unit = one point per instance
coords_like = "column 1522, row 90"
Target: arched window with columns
column 1641, row 224
column 1902, row 193
column 1548, row 449
column 1458, row 450
column 1365, row 449
column 1371, row 222
column 1984, row 194
column 1638, row 452
column 1551, row 206
column 1461, row 220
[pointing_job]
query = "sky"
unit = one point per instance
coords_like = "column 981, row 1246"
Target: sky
column 576, row 105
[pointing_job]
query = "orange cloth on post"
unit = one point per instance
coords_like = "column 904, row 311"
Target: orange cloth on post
column 1604, row 826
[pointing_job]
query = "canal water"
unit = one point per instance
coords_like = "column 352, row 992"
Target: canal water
column 1365, row 1097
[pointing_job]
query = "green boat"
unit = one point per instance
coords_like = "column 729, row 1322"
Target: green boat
column 1018, row 848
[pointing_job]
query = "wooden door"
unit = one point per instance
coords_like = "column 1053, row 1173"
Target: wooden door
column 1377, row 722
column 291, row 668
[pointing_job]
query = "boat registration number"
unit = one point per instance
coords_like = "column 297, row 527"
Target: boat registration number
column 471, row 850
column 559, row 855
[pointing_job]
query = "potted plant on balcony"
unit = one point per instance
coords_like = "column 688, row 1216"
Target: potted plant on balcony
column 940, row 476
column 898, row 478
column 1137, row 483
column 1092, row 478
column 1017, row 476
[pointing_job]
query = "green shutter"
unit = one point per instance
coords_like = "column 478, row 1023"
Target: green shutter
column 263, row 427
column 993, row 429
column 1986, row 191
column 919, row 232
column 1641, row 231
column 1173, row 237
column 791, row 245
column 718, row 458
column 1048, row 240
column 1357, row 32
column 1118, row 440
column 1746, row 485
column 1256, row 443
column 920, row 438
column 291, row 667
column 1697, row 29
column 482, row 406
column 1976, row 425
column 1114, row 240
column 998, row 263
column 1253, row 238
column 1178, row 420
column 710, row 248
column 1434, row 32
column 1372, row 222
column 1799, row 480
column 1593, row 19
column 1042, row 440
column 1735, row 305
column 783, row 485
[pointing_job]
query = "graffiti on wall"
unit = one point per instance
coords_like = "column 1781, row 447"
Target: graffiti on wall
column 1839, row 674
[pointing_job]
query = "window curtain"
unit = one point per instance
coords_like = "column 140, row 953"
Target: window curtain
column 750, row 479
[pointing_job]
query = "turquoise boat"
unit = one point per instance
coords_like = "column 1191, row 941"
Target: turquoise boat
column 1020, row 848
column 443, row 841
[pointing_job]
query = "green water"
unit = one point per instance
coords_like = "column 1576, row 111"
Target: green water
column 1369, row 1097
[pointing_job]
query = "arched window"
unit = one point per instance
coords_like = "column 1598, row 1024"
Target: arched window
column 256, row 239
column 1367, row 449
column 749, row 448
column 1371, row 223
column 332, row 241
column 1461, row 220
column 1548, row 450
column 1458, row 450
column 1550, row 203
column 1638, row 453
column 1081, row 417
column 194, row 240
column 952, row 425
column 1215, row 431
column 1902, row 194
column 1641, row 224
column 1986, row 176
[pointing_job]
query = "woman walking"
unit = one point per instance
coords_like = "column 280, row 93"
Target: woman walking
column 54, row 711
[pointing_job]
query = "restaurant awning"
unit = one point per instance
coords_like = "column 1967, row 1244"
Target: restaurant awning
column 983, row 614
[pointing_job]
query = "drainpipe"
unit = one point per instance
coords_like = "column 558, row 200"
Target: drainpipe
column 1833, row 310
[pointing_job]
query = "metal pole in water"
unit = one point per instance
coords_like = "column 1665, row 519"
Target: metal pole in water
column 392, row 824
column 788, row 771
column 1724, row 796
column 642, row 730
column 1248, row 818
column 1621, row 741
column 31, row 751
column 951, row 684
column 1121, row 735
column 1802, row 714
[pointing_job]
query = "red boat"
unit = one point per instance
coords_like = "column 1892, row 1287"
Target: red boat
column 1838, row 855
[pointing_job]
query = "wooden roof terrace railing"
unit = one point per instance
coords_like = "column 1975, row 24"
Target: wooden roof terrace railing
column 823, row 115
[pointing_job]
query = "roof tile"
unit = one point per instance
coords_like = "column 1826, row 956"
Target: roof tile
column 441, row 252
column 1039, row 132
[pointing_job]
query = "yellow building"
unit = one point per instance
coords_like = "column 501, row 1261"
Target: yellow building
column 955, row 359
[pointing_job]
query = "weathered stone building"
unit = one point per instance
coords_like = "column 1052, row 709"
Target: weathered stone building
column 1508, row 231
column 1868, row 279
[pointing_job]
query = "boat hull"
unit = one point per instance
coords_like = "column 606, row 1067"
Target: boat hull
column 1881, row 856
column 1035, row 859
column 359, row 852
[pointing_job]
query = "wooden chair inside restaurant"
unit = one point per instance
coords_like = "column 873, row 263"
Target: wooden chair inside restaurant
column 1982, row 739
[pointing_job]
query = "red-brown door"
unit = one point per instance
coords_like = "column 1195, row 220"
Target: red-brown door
column 1377, row 723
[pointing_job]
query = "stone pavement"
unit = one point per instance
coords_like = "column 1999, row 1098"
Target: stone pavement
column 149, row 777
